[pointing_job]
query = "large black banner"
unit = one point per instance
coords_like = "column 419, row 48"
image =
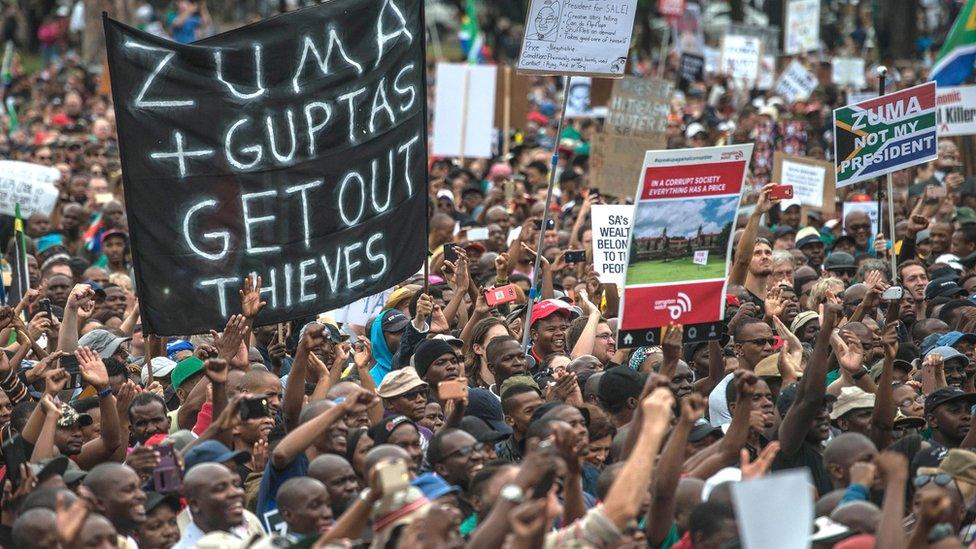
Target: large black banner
column 293, row 148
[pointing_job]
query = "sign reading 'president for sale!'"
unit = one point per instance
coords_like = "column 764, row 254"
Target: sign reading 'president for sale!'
column 885, row 134
column 680, row 242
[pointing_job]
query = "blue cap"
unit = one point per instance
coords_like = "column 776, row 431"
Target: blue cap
column 931, row 341
column 951, row 338
column 486, row 406
column 948, row 353
column 213, row 451
column 176, row 346
column 433, row 486
column 48, row 241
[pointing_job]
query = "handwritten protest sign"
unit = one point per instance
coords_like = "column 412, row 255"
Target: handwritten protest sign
column 812, row 180
column 767, row 72
column 956, row 110
column 611, row 237
column 687, row 201
column 287, row 148
column 740, row 57
column 885, row 134
column 796, row 83
column 639, row 107
column 802, row 26
column 691, row 69
column 577, row 37
column 462, row 124
column 636, row 123
column 30, row 185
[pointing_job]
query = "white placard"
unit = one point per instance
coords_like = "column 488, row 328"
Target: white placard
column 955, row 109
column 848, row 71
column 359, row 312
column 611, row 233
column 713, row 57
column 740, row 57
column 802, row 26
column 578, row 102
column 476, row 234
column 769, row 510
column 870, row 208
column 796, row 83
column 577, row 37
column 30, row 185
column 857, row 97
column 464, row 103
column 767, row 73
column 807, row 181
column 700, row 258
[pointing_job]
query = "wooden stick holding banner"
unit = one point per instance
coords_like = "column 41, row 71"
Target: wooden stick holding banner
column 665, row 42
column 545, row 219
column 507, row 114
column 882, row 76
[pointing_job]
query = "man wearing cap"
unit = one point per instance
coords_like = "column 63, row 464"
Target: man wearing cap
column 394, row 337
column 437, row 360
column 947, row 412
column 840, row 265
column 852, row 411
column 404, row 393
column 548, row 327
column 106, row 344
column 185, row 376
column 943, row 287
column 784, row 237
column 114, row 244
column 487, row 408
column 808, row 241
column 965, row 343
column 619, row 390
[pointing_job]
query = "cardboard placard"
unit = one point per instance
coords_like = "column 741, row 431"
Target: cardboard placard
column 639, row 107
column 577, row 37
column 812, row 180
column 512, row 98
column 802, row 27
column 848, row 71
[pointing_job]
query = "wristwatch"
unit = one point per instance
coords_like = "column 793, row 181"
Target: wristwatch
column 864, row 371
column 513, row 494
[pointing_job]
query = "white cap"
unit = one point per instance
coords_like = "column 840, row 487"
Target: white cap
column 694, row 129
column 951, row 260
column 161, row 366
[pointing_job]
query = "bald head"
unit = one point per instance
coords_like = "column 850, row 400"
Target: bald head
column 257, row 379
column 293, row 493
column 860, row 516
column 104, row 477
column 199, row 478
column 384, row 452
column 846, row 448
column 442, row 222
column 35, row 529
column 342, row 389
column 325, row 465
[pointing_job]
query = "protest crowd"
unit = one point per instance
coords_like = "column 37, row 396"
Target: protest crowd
column 494, row 395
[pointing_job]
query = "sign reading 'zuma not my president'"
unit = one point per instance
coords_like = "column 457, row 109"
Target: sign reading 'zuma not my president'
column 294, row 148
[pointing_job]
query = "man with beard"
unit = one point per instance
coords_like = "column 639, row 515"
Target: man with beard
column 316, row 434
column 806, row 421
column 548, row 327
column 114, row 245
column 753, row 260
column 118, row 495
column 215, row 504
column 947, row 412
column 592, row 335
column 753, row 342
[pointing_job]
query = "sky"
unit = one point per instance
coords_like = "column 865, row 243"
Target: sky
column 682, row 217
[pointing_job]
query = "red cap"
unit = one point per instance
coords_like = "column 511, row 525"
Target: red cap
column 114, row 232
column 732, row 301
column 538, row 118
column 862, row 541
column 547, row 307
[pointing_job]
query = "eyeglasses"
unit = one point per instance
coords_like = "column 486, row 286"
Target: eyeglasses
column 761, row 342
column 859, row 227
column 413, row 395
column 465, row 451
column 940, row 479
column 909, row 401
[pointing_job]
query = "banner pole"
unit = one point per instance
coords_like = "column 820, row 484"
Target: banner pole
column 545, row 219
column 507, row 112
column 665, row 41
column 882, row 75
column 427, row 212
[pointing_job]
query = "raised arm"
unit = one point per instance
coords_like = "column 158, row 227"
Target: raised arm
column 627, row 492
column 893, row 467
column 883, row 416
column 656, row 523
column 291, row 406
column 584, row 345
column 747, row 242
column 81, row 296
column 110, row 438
column 811, row 390
column 305, row 434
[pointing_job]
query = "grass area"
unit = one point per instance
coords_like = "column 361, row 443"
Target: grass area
column 656, row 271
